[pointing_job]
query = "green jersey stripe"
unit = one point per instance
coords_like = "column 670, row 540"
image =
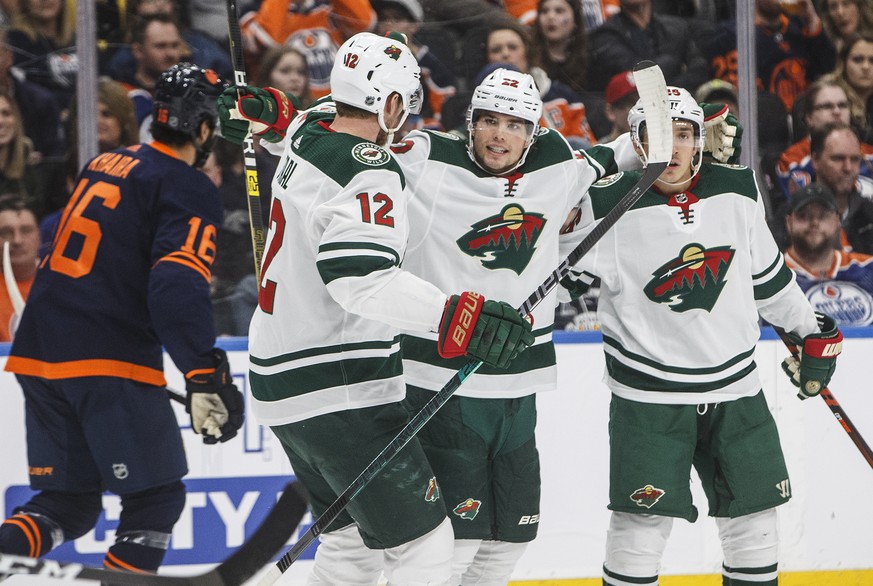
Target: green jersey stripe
column 613, row 343
column 351, row 266
column 782, row 279
column 326, row 352
column 635, row 379
column 425, row 351
column 358, row 246
column 316, row 377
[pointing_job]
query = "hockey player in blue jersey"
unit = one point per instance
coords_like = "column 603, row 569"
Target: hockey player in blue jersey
column 128, row 271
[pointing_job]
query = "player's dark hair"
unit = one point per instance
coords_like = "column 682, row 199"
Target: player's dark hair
column 347, row 111
column 16, row 202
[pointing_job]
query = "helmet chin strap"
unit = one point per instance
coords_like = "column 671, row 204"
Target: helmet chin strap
column 695, row 169
column 390, row 131
column 471, row 151
column 203, row 149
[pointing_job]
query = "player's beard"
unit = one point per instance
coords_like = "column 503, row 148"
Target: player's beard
column 382, row 138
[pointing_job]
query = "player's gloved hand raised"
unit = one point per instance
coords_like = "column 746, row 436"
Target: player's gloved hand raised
column 214, row 402
column 491, row 331
column 268, row 110
column 724, row 133
column 812, row 368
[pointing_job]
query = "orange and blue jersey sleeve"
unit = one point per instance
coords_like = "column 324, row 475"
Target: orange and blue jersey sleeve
column 183, row 251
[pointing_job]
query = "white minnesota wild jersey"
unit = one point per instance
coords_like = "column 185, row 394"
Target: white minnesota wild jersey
column 498, row 235
column 325, row 336
column 683, row 280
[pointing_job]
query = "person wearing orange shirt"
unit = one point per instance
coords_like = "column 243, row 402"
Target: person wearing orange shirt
column 316, row 28
column 18, row 227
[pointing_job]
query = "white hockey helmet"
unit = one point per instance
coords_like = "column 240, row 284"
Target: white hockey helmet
column 507, row 92
column 369, row 68
column 682, row 107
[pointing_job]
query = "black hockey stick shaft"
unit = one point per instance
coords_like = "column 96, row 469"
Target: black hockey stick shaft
column 835, row 407
column 651, row 85
column 253, row 192
column 274, row 531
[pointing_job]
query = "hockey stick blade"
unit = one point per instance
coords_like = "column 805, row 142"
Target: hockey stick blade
column 653, row 92
column 835, row 407
column 256, row 219
column 255, row 553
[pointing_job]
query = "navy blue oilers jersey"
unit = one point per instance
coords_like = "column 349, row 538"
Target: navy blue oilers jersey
column 128, row 271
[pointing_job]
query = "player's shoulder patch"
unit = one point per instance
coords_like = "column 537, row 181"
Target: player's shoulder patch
column 609, row 180
column 370, row 154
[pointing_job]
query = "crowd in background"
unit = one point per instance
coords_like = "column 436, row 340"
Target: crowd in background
column 814, row 81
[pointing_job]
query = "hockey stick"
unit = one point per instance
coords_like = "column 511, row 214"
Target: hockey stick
column 653, row 92
column 834, row 406
column 269, row 537
column 256, row 219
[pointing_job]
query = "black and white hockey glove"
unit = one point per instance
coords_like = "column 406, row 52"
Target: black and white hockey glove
column 214, row 402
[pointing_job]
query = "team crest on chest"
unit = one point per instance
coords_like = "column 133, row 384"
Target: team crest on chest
column 693, row 280
column 506, row 240
column 370, row 154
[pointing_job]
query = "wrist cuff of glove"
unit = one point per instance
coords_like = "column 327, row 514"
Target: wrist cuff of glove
column 462, row 312
column 818, row 347
column 284, row 112
column 718, row 114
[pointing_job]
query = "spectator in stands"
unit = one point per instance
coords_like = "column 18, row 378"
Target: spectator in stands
column 315, row 28
column 621, row 95
column 285, row 69
column 17, row 171
column 855, row 69
column 836, row 282
column 509, row 43
column 17, row 227
column 234, row 290
column 437, row 78
column 40, row 113
column 156, row 45
column 638, row 33
column 116, row 128
column 43, row 41
column 198, row 47
column 836, row 156
column 595, row 12
column 791, row 51
column 561, row 42
column 209, row 17
column 825, row 102
column 843, row 19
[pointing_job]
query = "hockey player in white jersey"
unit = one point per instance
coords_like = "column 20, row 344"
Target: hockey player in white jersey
column 487, row 212
column 325, row 362
column 684, row 276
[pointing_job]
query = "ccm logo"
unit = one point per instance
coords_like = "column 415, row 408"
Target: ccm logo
column 529, row 520
column 472, row 301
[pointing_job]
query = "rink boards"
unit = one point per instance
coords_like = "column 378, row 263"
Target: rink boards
column 824, row 528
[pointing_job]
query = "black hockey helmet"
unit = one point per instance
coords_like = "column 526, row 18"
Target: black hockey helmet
column 185, row 95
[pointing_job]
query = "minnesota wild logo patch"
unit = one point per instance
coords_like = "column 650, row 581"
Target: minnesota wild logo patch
column 506, row 240
column 647, row 496
column 370, row 154
column 468, row 509
column 693, row 280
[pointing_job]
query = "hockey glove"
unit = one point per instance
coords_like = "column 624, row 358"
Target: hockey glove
column 724, row 133
column 812, row 367
column 490, row 331
column 268, row 110
column 214, row 402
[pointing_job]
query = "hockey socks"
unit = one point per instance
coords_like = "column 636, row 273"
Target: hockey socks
column 29, row 534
